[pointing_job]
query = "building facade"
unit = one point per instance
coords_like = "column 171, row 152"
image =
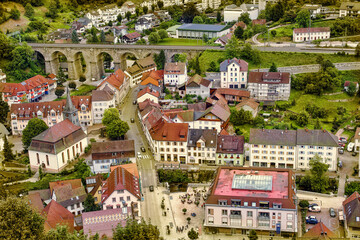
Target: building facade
column 54, row 148
column 310, row 34
column 197, row 31
column 198, row 86
column 233, row 12
column 351, row 9
column 292, row 148
column 201, row 146
column 242, row 199
column 230, row 150
column 175, row 74
column 118, row 83
column 234, row 73
column 269, row 86
column 101, row 100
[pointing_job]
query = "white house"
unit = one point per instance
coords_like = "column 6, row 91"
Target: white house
column 292, row 148
column 234, row 73
column 148, row 93
column 175, row 74
column 201, row 146
column 315, row 9
column 118, row 83
column 214, row 4
column 122, row 189
column 54, row 148
column 142, row 24
column 233, row 12
column 101, row 100
column 199, row 86
column 310, row 34
column 351, row 9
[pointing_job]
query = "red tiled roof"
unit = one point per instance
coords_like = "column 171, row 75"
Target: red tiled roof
column 153, row 118
column 238, row 24
column 147, row 102
column 249, row 102
column 131, row 167
column 51, row 76
column 320, row 231
column 352, row 197
column 101, row 95
column 35, row 201
column 165, row 131
column 224, row 132
column 116, row 79
column 56, row 214
column 233, row 92
column 157, row 75
column 147, row 90
column 258, row 21
column 25, row 86
column 313, row 29
column 121, row 179
column 132, row 35
column 150, row 80
column 75, row 183
column 57, row 132
column 265, row 77
column 230, row 144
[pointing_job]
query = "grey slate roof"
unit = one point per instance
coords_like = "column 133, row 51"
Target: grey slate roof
column 208, row 135
column 316, row 138
column 292, row 137
column 202, row 27
column 243, row 64
column 272, row 137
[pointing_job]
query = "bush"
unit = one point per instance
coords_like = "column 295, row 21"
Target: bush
column 304, row 204
column 82, row 78
column 88, row 148
column 92, row 140
column 72, row 85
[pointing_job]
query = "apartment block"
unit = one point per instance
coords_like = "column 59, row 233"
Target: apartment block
column 234, row 73
column 292, row 148
column 241, row 199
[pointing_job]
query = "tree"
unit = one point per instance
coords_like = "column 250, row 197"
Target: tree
column 304, row 204
column 119, row 18
column 102, row 36
column 192, row 234
column 128, row 15
column 4, row 110
column 154, row 38
column 240, row 117
column 7, row 150
column 232, row 48
column 245, row 17
column 89, row 204
column 317, row 179
column 74, row 37
column 14, row 13
column 190, row 12
column 82, row 170
column 41, row 175
column 218, row 16
column 145, row 9
column 59, row 92
column 273, row 33
column 135, row 230
column 239, row 32
column 198, row 19
column 302, row 18
column 61, row 78
column 153, row 6
column 141, row 42
column 110, row 115
column 357, row 50
column 351, row 89
column 19, row 220
column 253, row 235
column 62, row 232
column 317, row 124
column 163, row 34
column 82, row 78
column 302, row 119
column 72, row 85
column 205, row 38
column 34, row 127
column 137, row 11
column 160, row 4
column 29, row 10
column 117, row 129
column 180, row 57
column 6, row 46
column 160, row 60
column 197, row 66
column 212, row 67
column 273, row 68
column 53, row 11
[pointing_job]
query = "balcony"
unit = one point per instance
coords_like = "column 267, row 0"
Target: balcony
column 235, row 216
column 264, row 218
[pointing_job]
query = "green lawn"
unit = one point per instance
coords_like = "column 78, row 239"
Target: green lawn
column 281, row 59
column 83, row 90
column 181, row 41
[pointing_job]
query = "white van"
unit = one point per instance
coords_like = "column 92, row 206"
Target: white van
column 350, row 146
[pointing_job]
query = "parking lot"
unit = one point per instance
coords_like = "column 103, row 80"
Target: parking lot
column 324, row 216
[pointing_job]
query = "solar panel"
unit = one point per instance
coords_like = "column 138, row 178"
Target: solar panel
column 252, row 182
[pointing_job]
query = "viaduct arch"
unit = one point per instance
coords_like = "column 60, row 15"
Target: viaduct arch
column 92, row 55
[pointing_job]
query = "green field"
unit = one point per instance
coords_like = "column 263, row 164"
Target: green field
column 83, row 90
column 281, row 59
column 181, row 41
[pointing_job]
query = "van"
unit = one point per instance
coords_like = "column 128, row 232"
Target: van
column 350, row 146
column 315, row 209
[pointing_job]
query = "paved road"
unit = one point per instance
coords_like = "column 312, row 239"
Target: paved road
column 280, row 48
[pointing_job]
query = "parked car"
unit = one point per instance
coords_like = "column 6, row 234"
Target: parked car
column 151, row 188
column 341, row 151
column 132, row 120
column 139, row 155
column 332, row 212
column 354, row 154
column 142, row 149
column 350, row 147
column 340, row 164
column 311, row 220
column 315, row 209
column 343, row 140
column 313, row 204
column 134, row 102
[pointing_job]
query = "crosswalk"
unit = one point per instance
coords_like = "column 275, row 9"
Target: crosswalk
column 145, row 156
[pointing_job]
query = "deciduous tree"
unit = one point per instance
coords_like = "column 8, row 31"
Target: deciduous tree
column 163, row 34
column 110, row 115
column 192, row 234
column 29, row 10
column 145, row 9
column 302, row 18
column 14, row 13
column 232, row 48
column 34, row 127
column 135, row 230
column 198, row 19
column 62, row 232
column 317, row 180
column 59, row 92
column 117, row 129
column 239, row 32
column 253, row 235
column 19, row 220
column 82, row 170
column 160, row 60
column 154, row 38
column 245, row 17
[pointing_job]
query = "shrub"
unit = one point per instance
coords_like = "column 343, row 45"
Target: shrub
column 82, row 78
column 304, row 204
column 72, row 85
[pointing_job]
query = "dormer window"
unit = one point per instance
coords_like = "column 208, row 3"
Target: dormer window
column 222, row 202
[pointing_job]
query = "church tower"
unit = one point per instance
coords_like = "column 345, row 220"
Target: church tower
column 70, row 111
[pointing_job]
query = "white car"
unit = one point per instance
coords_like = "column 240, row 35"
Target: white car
column 139, row 155
column 315, row 209
column 350, row 146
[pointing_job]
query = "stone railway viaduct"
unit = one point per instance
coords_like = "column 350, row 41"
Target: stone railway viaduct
column 93, row 56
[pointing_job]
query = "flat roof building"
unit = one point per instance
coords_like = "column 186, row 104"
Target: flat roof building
column 241, row 199
column 192, row 30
